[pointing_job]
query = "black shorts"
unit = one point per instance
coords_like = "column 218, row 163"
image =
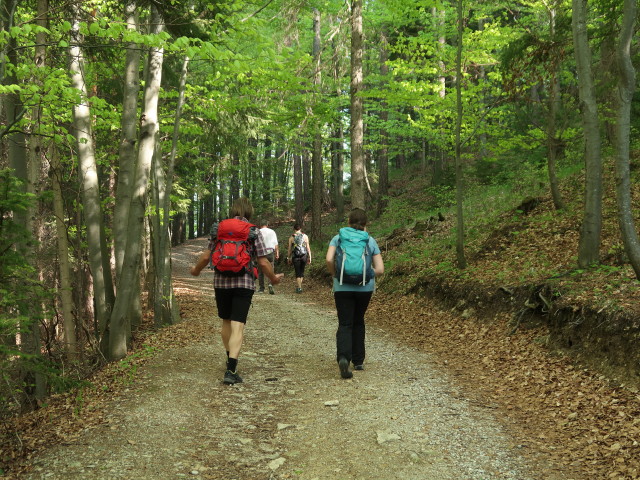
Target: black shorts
column 234, row 303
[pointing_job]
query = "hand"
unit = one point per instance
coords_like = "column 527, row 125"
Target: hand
column 276, row 278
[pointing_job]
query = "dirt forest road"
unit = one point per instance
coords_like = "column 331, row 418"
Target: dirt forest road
column 293, row 417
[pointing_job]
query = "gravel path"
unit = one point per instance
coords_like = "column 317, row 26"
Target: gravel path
column 293, row 417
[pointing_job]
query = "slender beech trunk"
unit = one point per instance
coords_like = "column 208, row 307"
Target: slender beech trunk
column 65, row 291
column 316, row 162
column 438, row 156
column 554, row 108
column 149, row 129
column 128, row 138
column 357, row 122
column 338, row 145
column 235, row 177
column 267, row 175
column 590, row 230
column 297, row 188
column 164, row 298
column 383, row 156
column 18, row 158
column 626, row 88
column 89, row 184
column 462, row 262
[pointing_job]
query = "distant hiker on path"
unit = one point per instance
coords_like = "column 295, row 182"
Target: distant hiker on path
column 353, row 260
column 235, row 247
column 299, row 253
column 273, row 252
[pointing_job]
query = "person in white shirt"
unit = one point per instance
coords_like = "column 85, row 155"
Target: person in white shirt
column 273, row 253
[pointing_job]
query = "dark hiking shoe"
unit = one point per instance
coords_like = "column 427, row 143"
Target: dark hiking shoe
column 261, row 290
column 358, row 367
column 271, row 290
column 231, row 377
column 343, row 364
column 298, row 290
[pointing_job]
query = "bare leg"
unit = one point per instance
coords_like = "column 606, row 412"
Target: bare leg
column 235, row 338
column 225, row 333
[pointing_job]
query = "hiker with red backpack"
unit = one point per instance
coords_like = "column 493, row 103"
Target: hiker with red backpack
column 353, row 260
column 236, row 250
column 299, row 253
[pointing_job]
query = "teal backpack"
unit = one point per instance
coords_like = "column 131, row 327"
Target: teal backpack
column 353, row 258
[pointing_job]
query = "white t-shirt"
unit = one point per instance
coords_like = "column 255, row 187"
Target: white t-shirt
column 270, row 238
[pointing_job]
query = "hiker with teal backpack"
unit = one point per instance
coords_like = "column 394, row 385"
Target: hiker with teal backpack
column 299, row 253
column 236, row 250
column 353, row 260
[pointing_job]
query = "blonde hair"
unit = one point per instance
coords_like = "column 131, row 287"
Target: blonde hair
column 242, row 208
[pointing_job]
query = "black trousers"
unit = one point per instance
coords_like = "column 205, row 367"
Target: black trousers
column 351, row 307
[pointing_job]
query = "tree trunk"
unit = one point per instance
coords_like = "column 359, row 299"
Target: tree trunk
column 316, row 162
column 93, row 218
column 235, row 177
column 383, row 156
column 164, row 298
column 357, row 122
column 338, row 145
column 338, row 171
column 306, row 176
column 626, row 88
column 589, row 245
column 297, row 189
column 127, row 153
column 267, row 188
column 462, row 262
column 149, row 129
column 65, row 292
column 554, row 108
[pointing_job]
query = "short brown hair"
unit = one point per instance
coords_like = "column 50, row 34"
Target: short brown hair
column 242, row 208
column 358, row 219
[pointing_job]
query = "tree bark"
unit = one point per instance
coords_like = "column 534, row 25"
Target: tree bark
column 590, row 230
column 383, row 156
column 626, row 88
column 357, row 121
column 462, row 262
column 554, row 108
column 338, row 144
column 128, row 138
column 164, row 298
column 316, row 161
column 89, row 184
column 297, row 188
column 149, row 130
column 65, row 292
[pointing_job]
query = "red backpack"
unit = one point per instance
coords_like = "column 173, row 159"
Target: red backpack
column 232, row 254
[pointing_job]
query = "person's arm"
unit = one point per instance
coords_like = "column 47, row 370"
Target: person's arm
column 306, row 239
column 378, row 265
column 203, row 261
column 277, row 249
column 331, row 266
column 267, row 269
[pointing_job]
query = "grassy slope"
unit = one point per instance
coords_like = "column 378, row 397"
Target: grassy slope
column 521, row 263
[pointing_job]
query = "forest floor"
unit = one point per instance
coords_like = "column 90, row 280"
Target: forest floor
column 443, row 396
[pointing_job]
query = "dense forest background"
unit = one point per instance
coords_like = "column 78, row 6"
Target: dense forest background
column 128, row 127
